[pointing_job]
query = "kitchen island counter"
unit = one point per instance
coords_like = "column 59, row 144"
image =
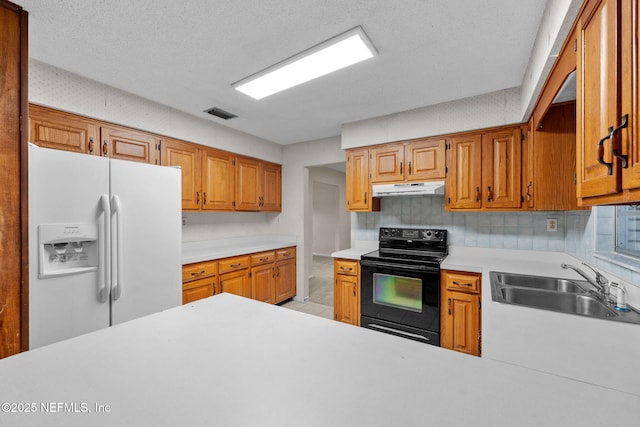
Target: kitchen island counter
column 227, row 360
column 223, row 248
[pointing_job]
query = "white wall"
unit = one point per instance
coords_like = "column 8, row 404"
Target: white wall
column 331, row 221
column 493, row 109
column 296, row 201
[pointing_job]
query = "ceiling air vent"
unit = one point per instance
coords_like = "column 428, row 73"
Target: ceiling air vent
column 219, row 112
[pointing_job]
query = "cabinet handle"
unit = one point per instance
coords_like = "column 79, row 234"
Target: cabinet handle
column 400, row 168
column 104, row 148
column 449, row 305
column 409, row 168
column 489, row 195
column 204, row 197
column 221, row 288
column 477, row 194
column 235, row 265
column 609, row 165
column 354, row 289
column 91, row 145
column 529, row 190
column 365, row 197
column 197, row 197
column 264, row 259
column 623, row 157
column 462, row 284
column 197, row 273
column 277, row 271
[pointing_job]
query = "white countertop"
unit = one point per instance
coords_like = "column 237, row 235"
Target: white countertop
column 229, row 361
column 356, row 252
column 223, row 248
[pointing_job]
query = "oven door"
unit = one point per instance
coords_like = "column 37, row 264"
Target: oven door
column 400, row 299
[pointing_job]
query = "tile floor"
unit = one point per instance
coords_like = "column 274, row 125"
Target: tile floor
column 320, row 290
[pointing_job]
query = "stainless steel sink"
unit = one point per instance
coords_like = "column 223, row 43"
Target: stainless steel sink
column 555, row 294
column 539, row 282
column 557, row 301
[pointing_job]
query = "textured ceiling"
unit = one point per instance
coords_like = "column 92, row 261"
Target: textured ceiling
column 186, row 54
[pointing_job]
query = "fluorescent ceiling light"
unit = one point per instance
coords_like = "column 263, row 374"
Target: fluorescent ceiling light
column 339, row 52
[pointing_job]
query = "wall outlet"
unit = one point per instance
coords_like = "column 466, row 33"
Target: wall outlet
column 184, row 221
column 552, row 225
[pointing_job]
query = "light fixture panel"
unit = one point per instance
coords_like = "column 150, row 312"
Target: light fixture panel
column 334, row 54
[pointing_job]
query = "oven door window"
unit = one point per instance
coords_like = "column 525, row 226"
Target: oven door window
column 397, row 291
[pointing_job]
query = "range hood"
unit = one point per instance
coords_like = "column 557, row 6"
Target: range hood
column 427, row 188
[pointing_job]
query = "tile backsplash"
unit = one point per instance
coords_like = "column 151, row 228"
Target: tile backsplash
column 508, row 230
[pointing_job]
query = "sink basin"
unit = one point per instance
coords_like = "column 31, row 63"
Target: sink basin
column 539, row 282
column 557, row 301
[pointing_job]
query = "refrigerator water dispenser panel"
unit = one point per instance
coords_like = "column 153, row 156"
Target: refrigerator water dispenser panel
column 67, row 249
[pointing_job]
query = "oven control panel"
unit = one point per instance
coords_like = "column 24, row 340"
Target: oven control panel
column 427, row 235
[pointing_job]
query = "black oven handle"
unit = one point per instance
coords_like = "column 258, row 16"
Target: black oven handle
column 379, row 264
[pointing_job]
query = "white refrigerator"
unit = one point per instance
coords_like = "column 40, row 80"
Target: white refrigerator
column 104, row 242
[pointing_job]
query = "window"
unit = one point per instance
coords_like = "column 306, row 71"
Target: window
column 628, row 230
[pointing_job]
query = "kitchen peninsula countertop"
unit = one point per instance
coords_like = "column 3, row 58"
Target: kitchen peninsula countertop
column 222, row 248
column 227, row 360
column 356, row 252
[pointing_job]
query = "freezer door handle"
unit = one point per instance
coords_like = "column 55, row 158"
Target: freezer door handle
column 116, row 267
column 104, row 272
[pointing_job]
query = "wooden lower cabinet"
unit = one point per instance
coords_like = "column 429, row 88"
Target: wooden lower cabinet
column 285, row 274
column 199, row 280
column 264, row 276
column 346, row 291
column 460, row 312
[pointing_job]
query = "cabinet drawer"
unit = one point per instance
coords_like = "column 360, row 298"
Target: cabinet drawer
column 346, row 267
column 461, row 281
column 285, row 253
column 198, row 270
column 262, row 258
column 198, row 289
column 232, row 264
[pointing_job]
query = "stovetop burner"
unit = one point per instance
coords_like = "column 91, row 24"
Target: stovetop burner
column 410, row 246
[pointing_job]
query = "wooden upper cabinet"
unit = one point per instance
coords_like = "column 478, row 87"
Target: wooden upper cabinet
column 128, row 144
column 597, row 101
column 501, row 162
column 485, row 169
column 218, row 180
column 464, row 179
column 186, row 156
column 358, row 191
column 426, row 159
column 387, row 163
column 415, row 160
column 55, row 129
column 630, row 95
column 258, row 185
column 271, row 187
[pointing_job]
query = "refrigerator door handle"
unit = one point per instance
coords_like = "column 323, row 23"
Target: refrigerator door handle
column 104, row 262
column 116, row 267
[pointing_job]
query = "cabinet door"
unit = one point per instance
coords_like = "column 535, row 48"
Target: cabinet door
column 285, row 279
column 236, row 282
column 426, row 160
column 271, row 187
column 597, row 100
column 502, row 157
column 346, row 297
column 631, row 93
column 248, row 184
column 464, row 177
column 218, row 180
column 358, row 188
column 185, row 156
column 62, row 131
column 263, row 283
column 387, row 163
column 127, row 144
column 198, row 289
column 461, row 323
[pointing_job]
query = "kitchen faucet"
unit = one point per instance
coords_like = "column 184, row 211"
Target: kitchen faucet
column 600, row 282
